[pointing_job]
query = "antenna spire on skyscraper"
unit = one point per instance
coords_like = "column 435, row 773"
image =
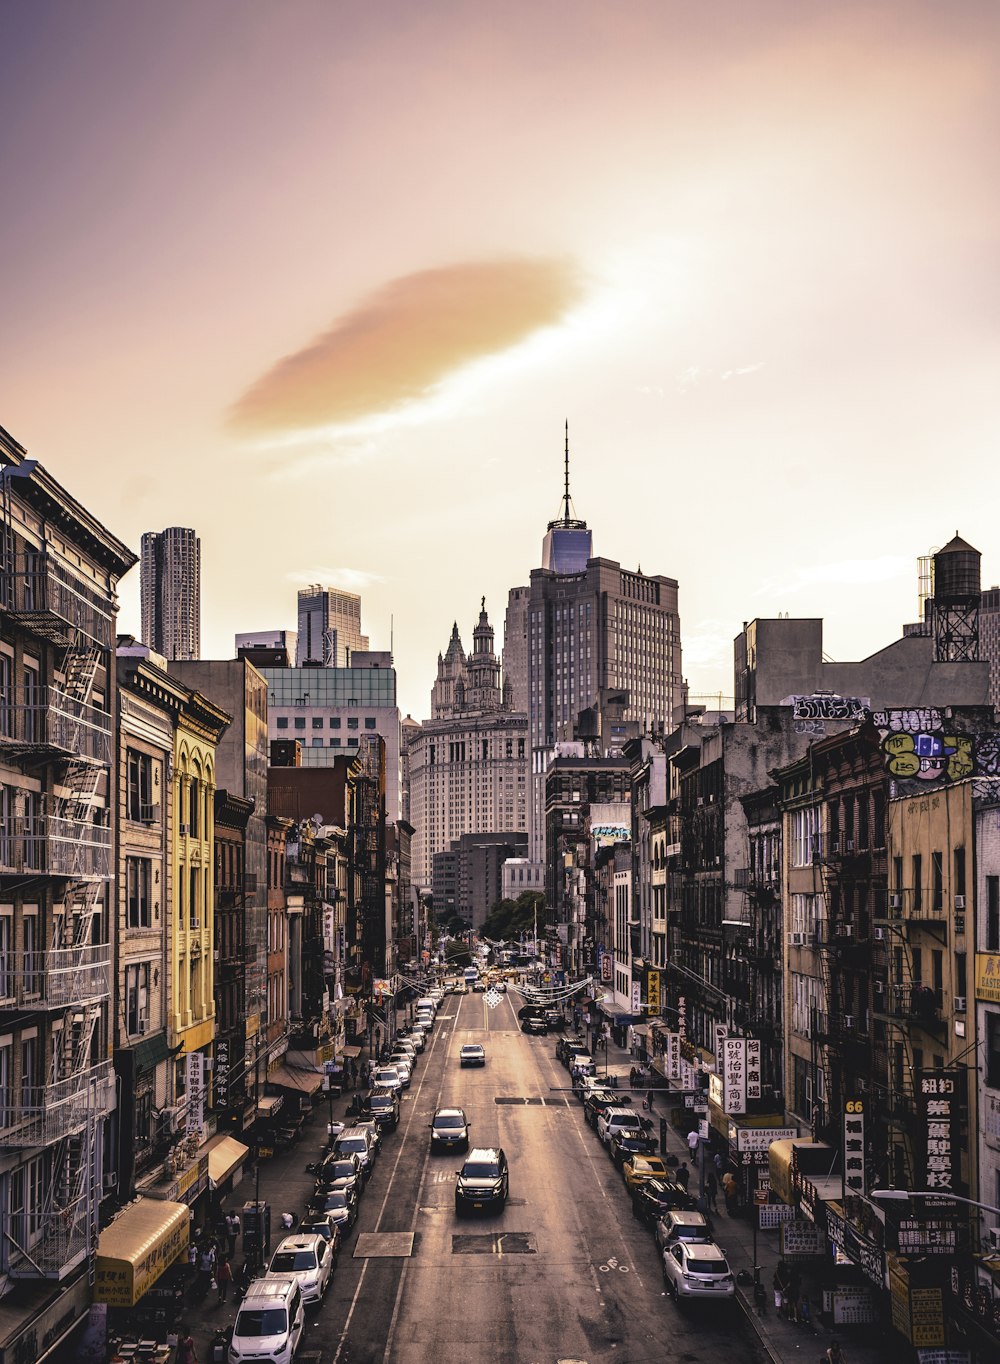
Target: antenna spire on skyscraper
column 566, row 493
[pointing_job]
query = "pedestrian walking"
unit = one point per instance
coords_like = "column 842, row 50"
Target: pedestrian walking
column 835, row 1354
column 232, row 1231
column 693, row 1141
column 223, row 1276
column 729, row 1192
column 186, row 1353
column 712, row 1190
column 683, row 1174
column 780, row 1285
column 718, row 1162
column 206, row 1267
column 805, row 1312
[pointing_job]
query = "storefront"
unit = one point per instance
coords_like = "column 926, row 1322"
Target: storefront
column 226, row 1158
column 35, row 1319
column 139, row 1269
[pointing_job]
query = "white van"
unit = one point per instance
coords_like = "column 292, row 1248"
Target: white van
column 426, row 1003
column 269, row 1323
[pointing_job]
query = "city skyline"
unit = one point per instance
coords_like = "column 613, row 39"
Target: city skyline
column 338, row 331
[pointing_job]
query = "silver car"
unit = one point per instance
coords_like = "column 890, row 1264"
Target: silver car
column 697, row 1269
column 306, row 1259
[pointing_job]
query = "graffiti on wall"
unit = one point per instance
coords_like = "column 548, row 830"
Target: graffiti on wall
column 918, row 746
column 826, row 706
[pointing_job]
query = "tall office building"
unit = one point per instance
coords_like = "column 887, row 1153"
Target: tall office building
column 515, row 648
column 468, row 763
column 594, row 629
column 170, row 588
column 329, row 628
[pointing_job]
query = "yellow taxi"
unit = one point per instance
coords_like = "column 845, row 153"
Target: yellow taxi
column 640, row 1168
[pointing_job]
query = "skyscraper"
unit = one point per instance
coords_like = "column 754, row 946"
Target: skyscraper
column 329, row 628
column 594, row 629
column 170, row 588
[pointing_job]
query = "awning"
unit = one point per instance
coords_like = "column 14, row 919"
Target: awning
column 350, row 1051
column 302, row 1081
column 225, row 1155
column 138, row 1246
column 640, row 1029
column 270, row 1104
column 616, row 1013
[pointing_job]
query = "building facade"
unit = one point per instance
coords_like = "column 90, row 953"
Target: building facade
column 170, row 589
column 329, row 628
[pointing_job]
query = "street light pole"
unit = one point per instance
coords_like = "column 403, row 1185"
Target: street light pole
column 901, row 1195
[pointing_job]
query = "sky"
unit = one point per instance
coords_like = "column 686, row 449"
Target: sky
column 325, row 279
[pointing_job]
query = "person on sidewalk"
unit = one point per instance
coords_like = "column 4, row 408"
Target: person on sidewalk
column 232, row 1231
column 835, row 1354
column 780, row 1283
column 730, row 1192
column 693, row 1141
column 682, row 1174
column 712, row 1190
column 288, row 1221
column 186, row 1353
column 794, row 1293
column 223, row 1276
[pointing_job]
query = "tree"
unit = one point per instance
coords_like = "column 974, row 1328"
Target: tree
column 508, row 919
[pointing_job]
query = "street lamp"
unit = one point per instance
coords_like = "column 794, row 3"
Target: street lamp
column 941, row 1196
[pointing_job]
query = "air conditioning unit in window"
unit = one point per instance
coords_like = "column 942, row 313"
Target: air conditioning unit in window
column 184, row 830
column 142, row 1026
column 848, row 845
column 195, row 924
column 846, row 931
column 959, row 901
column 110, row 1181
column 795, row 940
column 170, row 1118
column 848, row 1021
column 959, row 1003
column 880, row 987
column 896, row 900
column 879, row 934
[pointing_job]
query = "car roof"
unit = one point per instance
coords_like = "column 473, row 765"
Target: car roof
column 484, row 1153
column 703, row 1250
column 449, row 1112
column 298, row 1243
column 686, row 1219
column 472, row 1046
column 268, row 1287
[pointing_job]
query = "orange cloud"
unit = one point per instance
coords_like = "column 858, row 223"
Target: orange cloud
column 400, row 342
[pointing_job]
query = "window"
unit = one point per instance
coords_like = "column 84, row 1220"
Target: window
column 937, row 881
column 334, row 743
column 281, row 722
column 139, row 787
column 917, row 863
column 993, row 1050
column 30, row 1092
column 6, row 711
column 993, row 913
column 6, row 955
column 137, row 892
column 334, row 721
column 32, row 956
column 194, row 902
column 805, row 824
column 194, row 808
column 5, row 1074
column 317, row 722
column 137, row 998
column 369, row 722
column 878, row 819
column 300, row 722
column 959, row 872
column 316, row 743
column 352, row 722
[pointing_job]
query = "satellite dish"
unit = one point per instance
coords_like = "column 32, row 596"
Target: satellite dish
column 317, row 821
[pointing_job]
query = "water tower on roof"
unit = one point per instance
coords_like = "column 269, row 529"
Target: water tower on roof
column 957, row 594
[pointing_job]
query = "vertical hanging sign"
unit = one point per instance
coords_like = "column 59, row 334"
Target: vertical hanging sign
column 939, row 1094
column 854, row 1147
column 734, row 1075
column 195, row 1085
column 753, row 1068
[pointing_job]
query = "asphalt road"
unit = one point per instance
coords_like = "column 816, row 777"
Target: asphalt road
column 564, row 1274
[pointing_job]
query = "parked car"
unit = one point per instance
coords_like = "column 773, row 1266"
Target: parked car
column 325, row 1225
column 697, row 1269
column 627, row 1142
column 306, row 1260
column 638, row 1168
column 339, row 1203
column 342, row 1171
column 387, row 1077
column 402, row 1063
column 681, row 1225
column 654, row 1197
column 370, row 1126
column 449, row 1130
column 384, row 1108
column 534, row 1024
column 358, row 1142
column 269, row 1323
column 472, row 1054
column 554, row 1020
column 613, row 1118
column 597, row 1101
column 483, row 1181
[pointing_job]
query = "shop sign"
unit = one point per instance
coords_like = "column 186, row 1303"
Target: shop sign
column 944, row 1357
column 636, row 997
column 975, row 1296
column 899, row 1300
column 720, row 1032
column 926, row 1316
column 653, row 991
column 988, row 977
column 715, row 1090
column 220, row 1082
column 866, row 1255
column 835, row 1229
column 927, row 1238
column 51, row 1324
column 854, row 1307
column 938, row 1096
column 759, row 1138
column 195, row 1093
column 801, row 1240
column 774, row 1214
column 854, row 1147
column 753, row 1068
column 734, row 1075
column 673, row 1054
column 607, row 965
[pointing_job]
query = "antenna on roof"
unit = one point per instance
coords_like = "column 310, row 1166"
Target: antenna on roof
column 566, row 516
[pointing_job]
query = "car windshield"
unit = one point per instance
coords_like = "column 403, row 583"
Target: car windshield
column 267, row 1321
column 481, row 1169
column 358, row 1144
column 449, row 1120
column 290, row 1261
column 701, row 1266
column 386, row 1077
column 381, row 1101
column 336, row 1198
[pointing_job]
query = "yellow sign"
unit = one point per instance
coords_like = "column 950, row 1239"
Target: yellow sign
column 988, row 977
column 653, row 991
column 927, row 1314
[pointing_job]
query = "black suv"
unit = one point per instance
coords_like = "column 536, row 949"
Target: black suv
column 598, row 1101
column 383, row 1107
column 534, row 1023
column 654, row 1197
column 627, row 1142
column 483, row 1181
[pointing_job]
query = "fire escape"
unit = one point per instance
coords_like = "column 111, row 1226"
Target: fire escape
column 59, row 841
column 907, row 1015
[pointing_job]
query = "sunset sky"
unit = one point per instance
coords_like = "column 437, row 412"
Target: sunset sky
column 324, row 279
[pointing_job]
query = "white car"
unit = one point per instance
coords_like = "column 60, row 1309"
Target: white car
column 614, row 1119
column 403, row 1065
column 697, row 1269
column 388, row 1077
column 306, row 1259
column 269, row 1322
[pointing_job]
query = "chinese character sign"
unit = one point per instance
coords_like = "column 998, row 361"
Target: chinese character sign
column 854, row 1146
column 636, row 997
column 753, row 1067
column 939, row 1094
column 653, row 991
column 220, row 1080
column 720, row 1032
column 734, row 1075
column 673, row 1055
column 195, row 1083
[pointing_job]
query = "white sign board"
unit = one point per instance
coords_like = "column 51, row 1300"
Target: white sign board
column 760, row 1138
column 195, row 1084
column 734, row 1075
column 753, row 1068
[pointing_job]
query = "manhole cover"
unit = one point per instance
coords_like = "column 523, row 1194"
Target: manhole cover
column 373, row 1245
column 494, row 1243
